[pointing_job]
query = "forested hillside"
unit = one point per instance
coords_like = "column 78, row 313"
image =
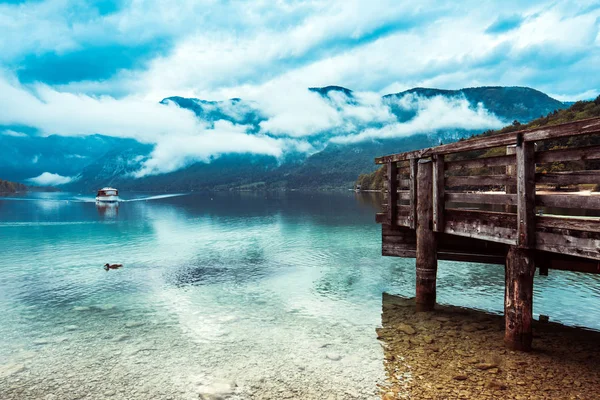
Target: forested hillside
column 11, row 187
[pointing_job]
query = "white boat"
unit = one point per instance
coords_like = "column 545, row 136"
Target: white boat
column 107, row 195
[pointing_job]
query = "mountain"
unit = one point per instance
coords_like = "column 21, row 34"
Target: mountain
column 26, row 156
column 509, row 103
column 98, row 160
column 11, row 187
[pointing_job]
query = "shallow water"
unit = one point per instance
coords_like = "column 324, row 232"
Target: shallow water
column 256, row 295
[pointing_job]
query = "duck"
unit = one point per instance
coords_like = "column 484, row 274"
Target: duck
column 108, row 266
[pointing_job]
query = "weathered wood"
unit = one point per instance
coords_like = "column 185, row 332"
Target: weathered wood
column 438, row 193
column 392, row 209
column 569, row 178
column 578, row 154
column 491, row 226
column 511, row 171
column 414, row 165
column 404, row 194
column 582, row 127
column 569, row 245
column 478, row 180
column 487, row 162
column 584, row 224
column 482, row 198
column 426, row 241
column 577, row 128
column 591, row 202
column 518, row 298
column 526, row 195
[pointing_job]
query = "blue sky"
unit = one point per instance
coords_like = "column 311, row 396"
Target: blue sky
column 112, row 56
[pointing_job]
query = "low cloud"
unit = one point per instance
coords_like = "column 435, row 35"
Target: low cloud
column 50, row 179
column 430, row 115
column 10, row 132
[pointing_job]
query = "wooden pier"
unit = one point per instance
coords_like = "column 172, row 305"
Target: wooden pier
column 500, row 199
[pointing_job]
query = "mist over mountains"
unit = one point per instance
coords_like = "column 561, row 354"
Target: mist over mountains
column 321, row 139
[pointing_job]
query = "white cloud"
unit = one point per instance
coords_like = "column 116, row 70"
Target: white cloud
column 432, row 115
column 179, row 151
column 10, row 132
column 50, row 179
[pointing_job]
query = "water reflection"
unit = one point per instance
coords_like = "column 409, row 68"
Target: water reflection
column 107, row 210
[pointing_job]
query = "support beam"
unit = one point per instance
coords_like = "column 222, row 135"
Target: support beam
column 392, row 176
column 439, row 194
column 413, row 192
column 526, row 194
column 518, row 298
column 426, row 240
column 510, row 171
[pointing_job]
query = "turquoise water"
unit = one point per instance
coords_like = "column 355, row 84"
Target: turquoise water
column 240, row 295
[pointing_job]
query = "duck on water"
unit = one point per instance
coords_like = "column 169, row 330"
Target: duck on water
column 107, row 195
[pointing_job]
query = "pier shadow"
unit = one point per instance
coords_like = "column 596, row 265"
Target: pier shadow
column 458, row 353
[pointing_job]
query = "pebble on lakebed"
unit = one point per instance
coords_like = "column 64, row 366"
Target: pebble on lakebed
column 455, row 353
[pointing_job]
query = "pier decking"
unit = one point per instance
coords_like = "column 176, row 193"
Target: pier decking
column 498, row 200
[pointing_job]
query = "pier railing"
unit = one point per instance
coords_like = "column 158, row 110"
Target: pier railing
column 521, row 198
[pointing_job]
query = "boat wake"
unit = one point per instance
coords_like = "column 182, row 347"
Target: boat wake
column 160, row 196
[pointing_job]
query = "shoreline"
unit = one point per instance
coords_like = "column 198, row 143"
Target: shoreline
column 456, row 352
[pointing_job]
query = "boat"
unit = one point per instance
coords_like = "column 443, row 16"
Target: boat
column 107, row 195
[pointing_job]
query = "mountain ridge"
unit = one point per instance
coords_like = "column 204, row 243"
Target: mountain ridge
column 332, row 166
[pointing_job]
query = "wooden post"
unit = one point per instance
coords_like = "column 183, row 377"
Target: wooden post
column 439, row 193
column 520, row 260
column 426, row 240
column 518, row 298
column 510, row 171
column 392, row 175
column 526, row 194
column 413, row 192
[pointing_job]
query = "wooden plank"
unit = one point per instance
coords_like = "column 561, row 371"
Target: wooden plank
column 591, row 202
column 577, row 128
column 582, row 127
column 569, row 178
column 390, row 250
column 426, row 240
column 484, row 225
column 526, row 195
column 439, row 202
column 401, row 220
column 389, row 230
column 404, row 194
column 482, row 232
column 577, row 224
column 482, row 198
column 479, row 180
column 414, row 166
column 578, row 154
column 569, row 245
column 392, row 209
column 518, row 298
column 486, row 162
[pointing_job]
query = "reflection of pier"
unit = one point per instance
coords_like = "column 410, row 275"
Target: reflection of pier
column 467, row 202
column 107, row 210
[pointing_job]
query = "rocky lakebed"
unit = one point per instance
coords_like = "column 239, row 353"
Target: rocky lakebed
column 457, row 353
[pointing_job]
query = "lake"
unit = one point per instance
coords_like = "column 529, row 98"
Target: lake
column 222, row 295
